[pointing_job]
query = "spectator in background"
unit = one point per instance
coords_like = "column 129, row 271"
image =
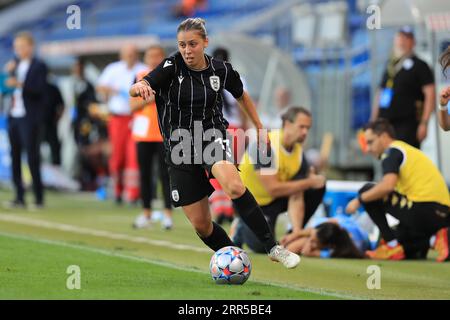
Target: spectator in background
column 54, row 108
column 413, row 191
column 84, row 95
column 444, row 115
column 406, row 96
column 113, row 85
column 90, row 133
column 149, row 144
column 28, row 77
column 285, row 183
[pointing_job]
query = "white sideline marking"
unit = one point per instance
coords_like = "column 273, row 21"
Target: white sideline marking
column 97, row 233
column 169, row 265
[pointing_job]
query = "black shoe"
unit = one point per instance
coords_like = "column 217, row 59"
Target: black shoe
column 14, row 204
column 119, row 201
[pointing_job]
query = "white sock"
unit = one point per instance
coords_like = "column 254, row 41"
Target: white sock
column 432, row 241
column 392, row 243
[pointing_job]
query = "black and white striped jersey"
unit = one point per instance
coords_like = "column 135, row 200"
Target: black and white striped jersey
column 185, row 96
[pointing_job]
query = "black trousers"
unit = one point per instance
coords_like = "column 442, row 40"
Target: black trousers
column 146, row 152
column 418, row 221
column 49, row 134
column 243, row 235
column 24, row 136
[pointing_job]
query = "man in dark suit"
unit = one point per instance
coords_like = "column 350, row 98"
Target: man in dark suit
column 28, row 77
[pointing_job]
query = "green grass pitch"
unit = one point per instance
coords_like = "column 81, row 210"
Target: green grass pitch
column 117, row 262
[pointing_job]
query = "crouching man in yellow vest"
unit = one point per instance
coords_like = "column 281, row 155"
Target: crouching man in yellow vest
column 413, row 191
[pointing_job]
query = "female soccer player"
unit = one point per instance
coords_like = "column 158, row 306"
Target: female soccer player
column 444, row 115
column 187, row 92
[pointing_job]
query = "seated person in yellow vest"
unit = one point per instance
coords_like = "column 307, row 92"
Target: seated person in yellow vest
column 413, row 191
column 284, row 182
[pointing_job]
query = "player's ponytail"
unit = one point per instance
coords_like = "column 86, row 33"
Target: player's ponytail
column 196, row 24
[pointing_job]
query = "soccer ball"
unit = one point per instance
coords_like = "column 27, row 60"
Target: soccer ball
column 230, row 265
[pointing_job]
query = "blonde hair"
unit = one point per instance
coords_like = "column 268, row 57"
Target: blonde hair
column 197, row 24
column 25, row 35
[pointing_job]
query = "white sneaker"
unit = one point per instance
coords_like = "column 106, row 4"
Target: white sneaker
column 142, row 221
column 167, row 223
column 281, row 254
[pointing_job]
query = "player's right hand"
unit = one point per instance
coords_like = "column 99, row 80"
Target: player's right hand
column 143, row 90
column 444, row 97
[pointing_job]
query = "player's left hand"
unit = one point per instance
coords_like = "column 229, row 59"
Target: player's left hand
column 352, row 206
column 422, row 131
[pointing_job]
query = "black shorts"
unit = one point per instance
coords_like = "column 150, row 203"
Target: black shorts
column 189, row 183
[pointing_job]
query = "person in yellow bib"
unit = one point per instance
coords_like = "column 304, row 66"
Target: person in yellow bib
column 282, row 182
column 413, row 191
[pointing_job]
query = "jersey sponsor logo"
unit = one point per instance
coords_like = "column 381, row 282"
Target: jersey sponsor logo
column 175, row 196
column 215, row 83
column 180, row 79
column 168, row 63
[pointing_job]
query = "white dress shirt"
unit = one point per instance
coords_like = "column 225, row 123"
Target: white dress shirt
column 119, row 77
column 18, row 109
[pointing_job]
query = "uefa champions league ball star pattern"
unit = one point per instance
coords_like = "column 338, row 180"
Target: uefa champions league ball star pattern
column 230, row 265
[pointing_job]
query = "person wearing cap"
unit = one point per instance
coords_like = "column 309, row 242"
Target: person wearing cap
column 406, row 96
